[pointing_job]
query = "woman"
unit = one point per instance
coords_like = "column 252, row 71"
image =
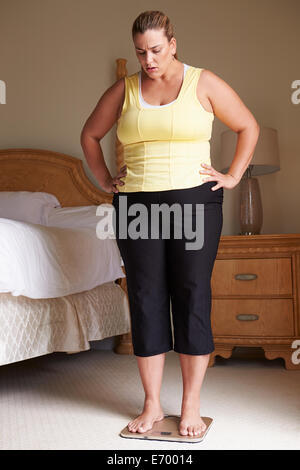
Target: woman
column 164, row 114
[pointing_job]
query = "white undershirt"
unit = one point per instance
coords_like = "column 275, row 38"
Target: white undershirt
column 147, row 105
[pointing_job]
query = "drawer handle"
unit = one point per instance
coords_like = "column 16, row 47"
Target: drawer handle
column 247, row 317
column 245, row 277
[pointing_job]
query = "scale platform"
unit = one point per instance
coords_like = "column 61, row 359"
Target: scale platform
column 167, row 430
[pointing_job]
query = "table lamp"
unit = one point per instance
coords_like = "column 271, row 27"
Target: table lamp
column 265, row 160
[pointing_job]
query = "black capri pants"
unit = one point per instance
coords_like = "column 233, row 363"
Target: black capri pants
column 161, row 270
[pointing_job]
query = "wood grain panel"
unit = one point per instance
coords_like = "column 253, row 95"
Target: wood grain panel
column 271, row 276
column 274, row 317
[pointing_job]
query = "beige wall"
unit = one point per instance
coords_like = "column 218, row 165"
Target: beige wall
column 58, row 58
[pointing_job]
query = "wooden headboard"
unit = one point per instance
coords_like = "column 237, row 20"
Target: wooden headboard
column 50, row 172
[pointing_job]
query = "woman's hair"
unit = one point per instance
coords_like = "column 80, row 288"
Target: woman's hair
column 153, row 19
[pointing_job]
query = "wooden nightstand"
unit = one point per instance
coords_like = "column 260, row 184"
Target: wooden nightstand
column 256, row 296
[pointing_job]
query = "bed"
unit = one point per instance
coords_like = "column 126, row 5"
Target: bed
column 33, row 325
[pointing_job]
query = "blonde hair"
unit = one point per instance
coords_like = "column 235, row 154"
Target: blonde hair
column 153, row 19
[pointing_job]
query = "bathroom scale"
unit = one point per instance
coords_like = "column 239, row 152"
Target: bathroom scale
column 167, row 430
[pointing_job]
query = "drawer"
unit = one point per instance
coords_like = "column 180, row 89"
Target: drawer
column 252, row 276
column 252, row 317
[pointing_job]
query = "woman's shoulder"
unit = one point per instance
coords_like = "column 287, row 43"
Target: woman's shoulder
column 197, row 71
column 126, row 78
column 133, row 75
column 206, row 75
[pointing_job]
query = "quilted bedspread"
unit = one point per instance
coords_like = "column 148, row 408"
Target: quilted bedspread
column 34, row 327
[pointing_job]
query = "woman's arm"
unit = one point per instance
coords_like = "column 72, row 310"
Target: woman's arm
column 97, row 125
column 229, row 108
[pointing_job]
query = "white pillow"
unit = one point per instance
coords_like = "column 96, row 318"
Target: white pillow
column 27, row 206
column 73, row 217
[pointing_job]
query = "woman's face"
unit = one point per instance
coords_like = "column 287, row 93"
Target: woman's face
column 153, row 50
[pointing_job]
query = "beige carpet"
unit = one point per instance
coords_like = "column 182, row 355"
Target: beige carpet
column 82, row 401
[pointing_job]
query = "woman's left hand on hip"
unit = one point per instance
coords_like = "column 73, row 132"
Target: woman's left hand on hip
column 226, row 181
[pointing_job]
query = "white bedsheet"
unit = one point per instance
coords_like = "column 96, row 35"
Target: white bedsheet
column 81, row 217
column 48, row 262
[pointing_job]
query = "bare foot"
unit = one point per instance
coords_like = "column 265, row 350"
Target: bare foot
column 151, row 413
column 191, row 423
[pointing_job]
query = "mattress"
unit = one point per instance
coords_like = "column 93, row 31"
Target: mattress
column 40, row 261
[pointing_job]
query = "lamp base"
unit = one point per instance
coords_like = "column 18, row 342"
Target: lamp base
column 248, row 233
column 251, row 213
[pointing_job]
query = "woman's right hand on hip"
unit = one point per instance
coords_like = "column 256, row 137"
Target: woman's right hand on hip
column 111, row 185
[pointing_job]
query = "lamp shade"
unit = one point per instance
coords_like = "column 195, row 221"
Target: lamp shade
column 266, row 153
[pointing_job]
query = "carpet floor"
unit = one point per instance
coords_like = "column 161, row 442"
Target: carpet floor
column 82, row 401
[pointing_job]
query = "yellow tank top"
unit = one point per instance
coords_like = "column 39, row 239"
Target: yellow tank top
column 164, row 146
